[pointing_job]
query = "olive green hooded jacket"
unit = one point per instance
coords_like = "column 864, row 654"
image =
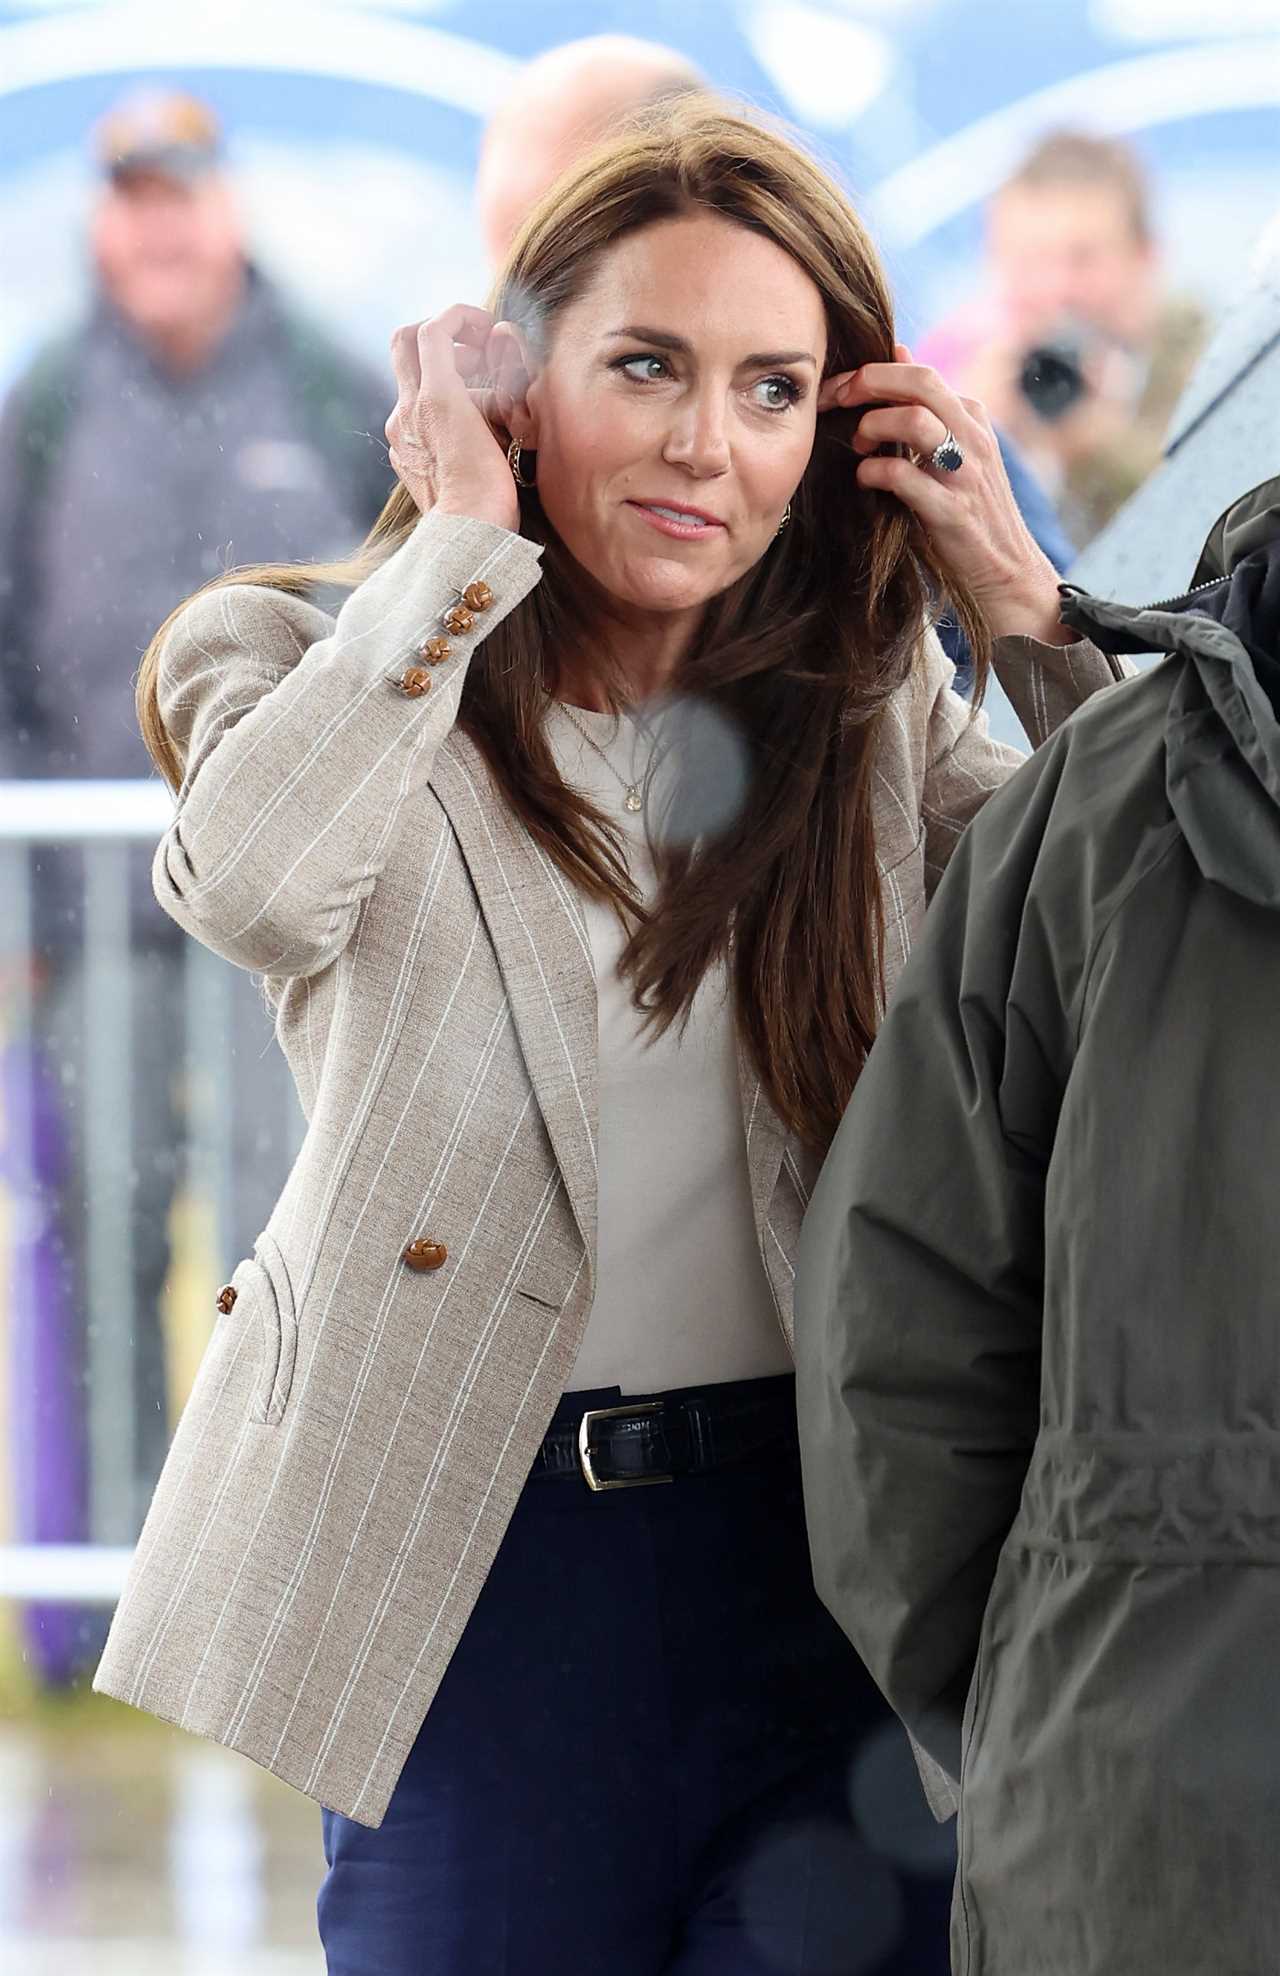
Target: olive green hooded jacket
column 1038, row 1318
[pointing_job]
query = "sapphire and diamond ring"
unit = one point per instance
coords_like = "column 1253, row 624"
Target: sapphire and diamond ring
column 948, row 457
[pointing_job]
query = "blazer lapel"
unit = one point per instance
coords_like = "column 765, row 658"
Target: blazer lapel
column 766, row 1140
column 540, row 938
column 539, row 935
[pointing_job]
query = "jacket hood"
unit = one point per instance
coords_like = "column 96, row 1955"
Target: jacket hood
column 1222, row 738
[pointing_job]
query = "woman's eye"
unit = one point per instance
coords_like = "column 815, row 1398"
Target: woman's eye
column 645, row 370
column 777, row 394
column 772, row 394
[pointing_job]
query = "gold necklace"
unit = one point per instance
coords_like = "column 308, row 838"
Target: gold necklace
column 632, row 799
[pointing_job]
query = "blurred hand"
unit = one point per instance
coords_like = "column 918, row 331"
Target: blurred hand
column 1103, row 422
column 991, row 376
column 971, row 516
column 1103, row 418
column 442, row 433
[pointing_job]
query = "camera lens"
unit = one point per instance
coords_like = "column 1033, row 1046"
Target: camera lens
column 1052, row 380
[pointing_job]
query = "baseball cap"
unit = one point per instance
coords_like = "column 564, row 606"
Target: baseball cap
column 162, row 131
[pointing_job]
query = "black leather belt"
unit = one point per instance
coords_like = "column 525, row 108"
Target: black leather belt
column 631, row 1447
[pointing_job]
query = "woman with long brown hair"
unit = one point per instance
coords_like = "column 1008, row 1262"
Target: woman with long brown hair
column 578, row 854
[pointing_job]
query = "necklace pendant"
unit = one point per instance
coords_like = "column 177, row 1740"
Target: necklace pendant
column 633, row 800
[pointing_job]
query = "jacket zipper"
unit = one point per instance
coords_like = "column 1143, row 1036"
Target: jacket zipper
column 1167, row 603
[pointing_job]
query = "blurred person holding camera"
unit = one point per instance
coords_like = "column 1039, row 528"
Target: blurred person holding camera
column 1079, row 351
column 192, row 419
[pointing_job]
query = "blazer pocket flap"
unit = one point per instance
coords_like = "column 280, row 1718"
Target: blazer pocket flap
column 279, row 1330
column 547, row 1280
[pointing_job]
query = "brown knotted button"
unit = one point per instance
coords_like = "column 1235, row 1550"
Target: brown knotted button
column 458, row 620
column 425, row 1255
column 226, row 1297
column 435, row 650
column 415, row 681
column 477, row 596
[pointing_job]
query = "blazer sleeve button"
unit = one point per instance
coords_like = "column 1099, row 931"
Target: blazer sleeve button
column 477, row 596
column 415, row 681
column 425, row 1255
column 435, row 651
column 226, row 1298
column 458, row 620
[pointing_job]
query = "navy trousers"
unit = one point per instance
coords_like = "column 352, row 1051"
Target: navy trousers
column 653, row 1754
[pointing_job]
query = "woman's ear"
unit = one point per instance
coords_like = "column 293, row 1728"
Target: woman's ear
column 510, row 368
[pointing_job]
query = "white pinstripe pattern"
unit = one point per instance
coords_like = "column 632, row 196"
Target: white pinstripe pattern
column 309, row 1039
column 193, row 1560
column 447, row 1593
column 210, row 714
column 329, row 734
column 222, row 710
column 751, row 1115
column 440, row 1457
column 332, row 701
column 397, row 1009
column 568, row 899
column 341, row 649
column 425, row 896
column 1041, row 706
column 573, row 913
column 909, row 816
column 787, row 1261
column 191, row 1563
column 551, row 1008
column 283, row 884
column 362, row 1378
column 392, row 1280
column 147, row 1657
column 898, row 920
column 186, row 1457
column 283, row 1608
column 792, row 1166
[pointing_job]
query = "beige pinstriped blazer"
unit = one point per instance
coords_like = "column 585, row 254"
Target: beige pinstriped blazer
column 359, row 1429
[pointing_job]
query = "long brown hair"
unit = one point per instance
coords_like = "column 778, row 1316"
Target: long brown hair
column 800, row 657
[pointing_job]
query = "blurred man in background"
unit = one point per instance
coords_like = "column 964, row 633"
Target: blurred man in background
column 105, row 523
column 1079, row 351
column 564, row 102
column 569, row 98
column 194, row 420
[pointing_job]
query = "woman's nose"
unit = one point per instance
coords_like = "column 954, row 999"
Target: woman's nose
column 699, row 440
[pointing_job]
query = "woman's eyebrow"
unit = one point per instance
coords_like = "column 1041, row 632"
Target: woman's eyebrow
column 665, row 339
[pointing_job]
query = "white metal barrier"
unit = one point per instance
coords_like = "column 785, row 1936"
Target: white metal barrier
column 111, row 822
column 52, row 1574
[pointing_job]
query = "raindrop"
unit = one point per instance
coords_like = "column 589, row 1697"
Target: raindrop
column 888, row 1803
column 705, row 771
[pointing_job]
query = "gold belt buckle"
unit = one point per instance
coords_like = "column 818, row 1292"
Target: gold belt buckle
column 596, row 1482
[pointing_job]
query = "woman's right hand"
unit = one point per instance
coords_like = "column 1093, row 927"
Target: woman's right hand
column 440, row 435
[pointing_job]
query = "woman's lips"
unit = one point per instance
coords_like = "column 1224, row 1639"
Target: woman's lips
column 682, row 523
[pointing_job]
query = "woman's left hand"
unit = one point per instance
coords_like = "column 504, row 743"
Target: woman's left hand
column 970, row 514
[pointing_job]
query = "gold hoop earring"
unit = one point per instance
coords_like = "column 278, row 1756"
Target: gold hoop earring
column 786, row 516
column 513, row 461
